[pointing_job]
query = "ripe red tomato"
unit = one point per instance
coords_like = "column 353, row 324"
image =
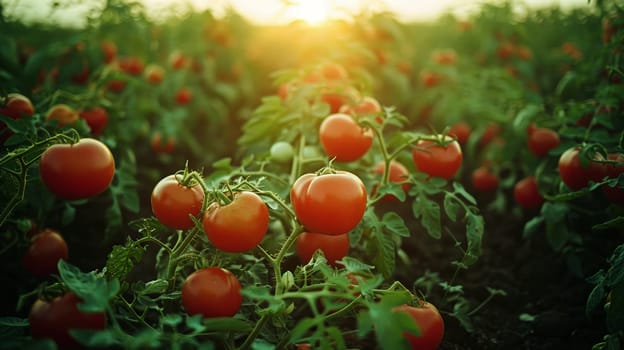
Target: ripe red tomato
column 333, row 71
column 574, row 175
column 342, row 138
column 334, row 247
column 173, row 202
column 429, row 322
column 338, row 95
column 184, row 96
column 64, row 114
column 491, row 131
column 505, row 51
column 430, row 79
column 46, row 249
column 542, row 140
column 17, row 106
column 484, row 180
column 55, row 318
column 178, row 60
column 526, row 193
column 96, row 118
column 329, row 203
column 397, row 173
column 82, row 170
column 524, row 53
column 436, row 160
column 132, row 65
column 445, row 57
column 461, row 131
column 366, row 106
column 160, row 147
column 238, row 226
column 116, row 85
column 154, row 74
column 212, row 292
column 282, row 91
column 109, row 49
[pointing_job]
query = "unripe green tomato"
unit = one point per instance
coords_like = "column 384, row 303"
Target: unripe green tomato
column 282, row 151
column 311, row 152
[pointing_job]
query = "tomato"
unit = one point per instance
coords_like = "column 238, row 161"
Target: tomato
column 337, row 96
column 109, row 49
column 524, row 53
column 116, row 85
column 366, row 106
column 96, row 118
column 438, row 160
column 238, row 226
column 333, row 71
column 282, row 151
column 397, row 173
column 614, row 194
column 489, row 133
column 429, row 322
column 445, row 57
column 81, row 170
column 329, row 203
column 132, row 65
column 173, row 202
column 484, row 180
column 46, row 249
column 154, row 74
column 342, row 138
column 542, row 140
column 160, row 147
column 63, row 114
column 461, row 131
column 212, row 292
column 430, row 79
column 505, row 51
column 334, row 247
column 55, row 318
column 282, row 91
column 574, row 175
column 526, row 193
column 184, row 96
column 17, row 106
column 178, row 60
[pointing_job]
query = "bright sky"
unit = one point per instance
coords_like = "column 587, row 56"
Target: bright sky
column 267, row 11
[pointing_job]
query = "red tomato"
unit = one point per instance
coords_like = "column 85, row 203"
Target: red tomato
column 366, row 106
column 429, row 322
column 491, row 131
column 96, row 118
column 154, row 74
column 334, row 247
column 342, row 138
column 17, row 106
column 178, row 60
column 282, row 91
column 446, row 57
column 110, row 51
column 173, row 202
column 526, row 193
column 524, row 53
column 542, row 140
column 461, row 131
column 238, row 226
column 160, row 147
column 46, row 249
column 430, row 79
column 63, row 114
column 505, row 51
column 55, row 318
column 184, row 96
column 484, row 180
column 82, row 170
column 436, row 160
column 338, row 95
column 333, row 71
column 116, row 85
column 397, row 173
column 574, row 175
column 132, row 65
column 212, row 292
column 329, row 203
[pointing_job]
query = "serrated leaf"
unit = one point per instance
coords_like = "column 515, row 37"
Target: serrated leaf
column 158, row 286
column 428, row 212
column 384, row 253
column 394, row 224
column 475, row 226
column 95, row 291
column 171, row 320
column 122, row 259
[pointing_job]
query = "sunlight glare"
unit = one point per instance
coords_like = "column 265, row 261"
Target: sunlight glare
column 310, row 11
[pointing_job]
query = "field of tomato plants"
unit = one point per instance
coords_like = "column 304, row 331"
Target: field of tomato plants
column 202, row 182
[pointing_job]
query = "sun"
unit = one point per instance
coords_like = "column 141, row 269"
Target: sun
column 310, row 11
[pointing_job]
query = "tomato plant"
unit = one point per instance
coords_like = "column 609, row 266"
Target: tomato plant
column 212, row 292
column 332, row 203
column 45, row 250
column 237, row 226
column 75, row 171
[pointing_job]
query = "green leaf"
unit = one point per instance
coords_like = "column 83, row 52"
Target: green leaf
column 122, row 259
column 615, row 313
column 615, row 274
column 13, row 322
column 459, row 189
column 526, row 317
column 394, row 224
column 532, row 226
column 557, row 236
column 95, row 291
column 93, row 338
column 300, row 330
column 613, row 223
column 171, row 320
column 595, row 300
column 475, row 226
column 554, row 212
column 429, row 213
column 158, row 286
column 450, row 206
column 384, row 253
column 195, row 323
column 68, row 215
column 392, row 189
column 263, row 294
column 389, row 325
